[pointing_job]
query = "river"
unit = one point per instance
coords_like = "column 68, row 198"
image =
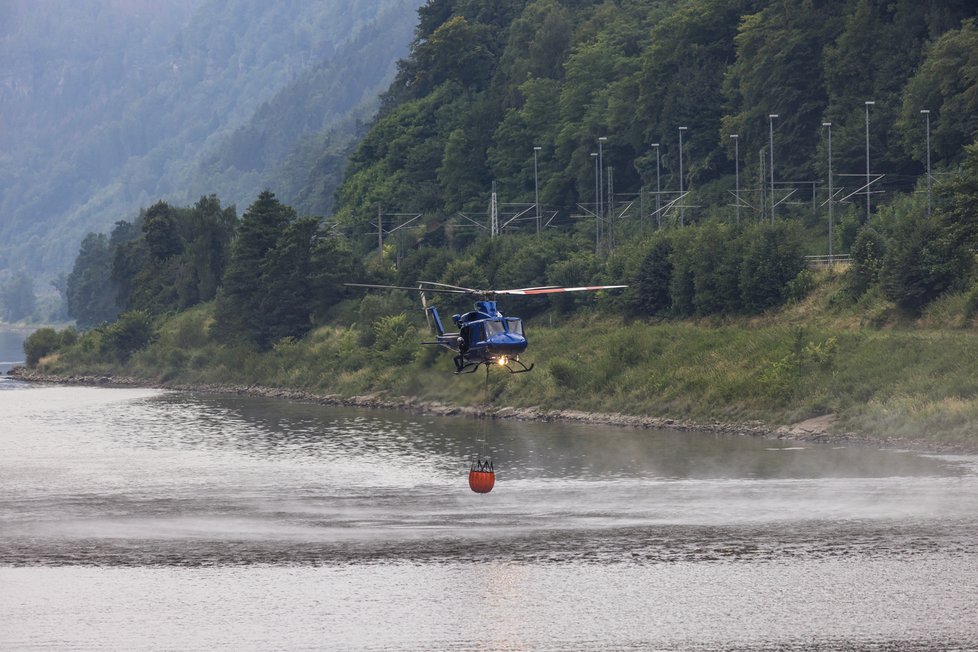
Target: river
column 136, row 519
column 11, row 350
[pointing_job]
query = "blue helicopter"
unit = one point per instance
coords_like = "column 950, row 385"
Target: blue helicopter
column 485, row 336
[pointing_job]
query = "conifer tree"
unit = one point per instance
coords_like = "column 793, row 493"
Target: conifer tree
column 239, row 305
column 91, row 295
column 285, row 289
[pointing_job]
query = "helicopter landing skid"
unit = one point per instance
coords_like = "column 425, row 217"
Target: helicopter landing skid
column 472, row 367
column 522, row 367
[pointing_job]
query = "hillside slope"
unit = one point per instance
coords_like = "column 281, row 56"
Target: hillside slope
column 110, row 106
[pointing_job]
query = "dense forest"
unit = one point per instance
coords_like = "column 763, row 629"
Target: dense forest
column 487, row 82
column 108, row 106
column 524, row 97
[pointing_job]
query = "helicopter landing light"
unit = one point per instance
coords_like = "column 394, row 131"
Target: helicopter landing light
column 502, row 361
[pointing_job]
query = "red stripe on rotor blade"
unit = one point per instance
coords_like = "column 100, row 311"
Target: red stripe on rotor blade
column 591, row 288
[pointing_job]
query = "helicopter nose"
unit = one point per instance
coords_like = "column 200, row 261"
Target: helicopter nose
column 508, row 344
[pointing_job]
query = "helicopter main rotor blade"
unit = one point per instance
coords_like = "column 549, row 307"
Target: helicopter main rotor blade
column 552, row 289
column 444, row 288
column 401, row 287
column 453, row 287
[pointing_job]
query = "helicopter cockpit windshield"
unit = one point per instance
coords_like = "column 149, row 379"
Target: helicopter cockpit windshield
column 494, row 327
column 507, row 325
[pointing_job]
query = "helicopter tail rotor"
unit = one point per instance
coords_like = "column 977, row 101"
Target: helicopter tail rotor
column 424, row 306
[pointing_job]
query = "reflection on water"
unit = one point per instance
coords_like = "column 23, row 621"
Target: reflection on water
column 340, row 520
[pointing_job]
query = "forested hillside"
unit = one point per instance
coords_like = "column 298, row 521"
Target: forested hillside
column 766, row 98
column 487, row 82
column 533, row 96
column 109, row 106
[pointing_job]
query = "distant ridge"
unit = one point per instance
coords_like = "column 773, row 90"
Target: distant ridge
column 110, row 106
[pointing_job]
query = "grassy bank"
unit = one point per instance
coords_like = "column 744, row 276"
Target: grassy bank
column 908, row 380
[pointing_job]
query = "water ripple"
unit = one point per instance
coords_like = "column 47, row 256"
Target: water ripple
column 144, row 511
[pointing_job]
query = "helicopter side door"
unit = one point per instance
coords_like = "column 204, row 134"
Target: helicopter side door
column 476, row 336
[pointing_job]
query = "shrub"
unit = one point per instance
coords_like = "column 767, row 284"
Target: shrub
column 651, row 287
column 801, row 286
column 68, row 336
column 40, row 343
column 923, row 260
column 772, row 257
column 131, row 332
column 716, row 258
column 395, row 342
column 681, row 288
column 374, row 307
column 868, row 252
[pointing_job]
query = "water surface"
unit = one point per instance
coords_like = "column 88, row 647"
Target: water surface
column 11, row 349
column 138, row 519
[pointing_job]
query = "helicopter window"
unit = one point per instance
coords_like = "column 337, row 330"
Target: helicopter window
column 515, row 326
column 494, row 327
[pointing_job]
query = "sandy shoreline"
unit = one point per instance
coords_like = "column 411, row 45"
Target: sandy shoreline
column 816, row 430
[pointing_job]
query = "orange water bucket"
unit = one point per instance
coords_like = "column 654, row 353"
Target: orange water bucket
column 481, row 482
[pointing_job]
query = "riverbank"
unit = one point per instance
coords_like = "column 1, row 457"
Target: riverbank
column 815, row 430
column 817, row 370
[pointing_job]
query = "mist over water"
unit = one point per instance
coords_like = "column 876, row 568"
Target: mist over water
column 136, row 519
